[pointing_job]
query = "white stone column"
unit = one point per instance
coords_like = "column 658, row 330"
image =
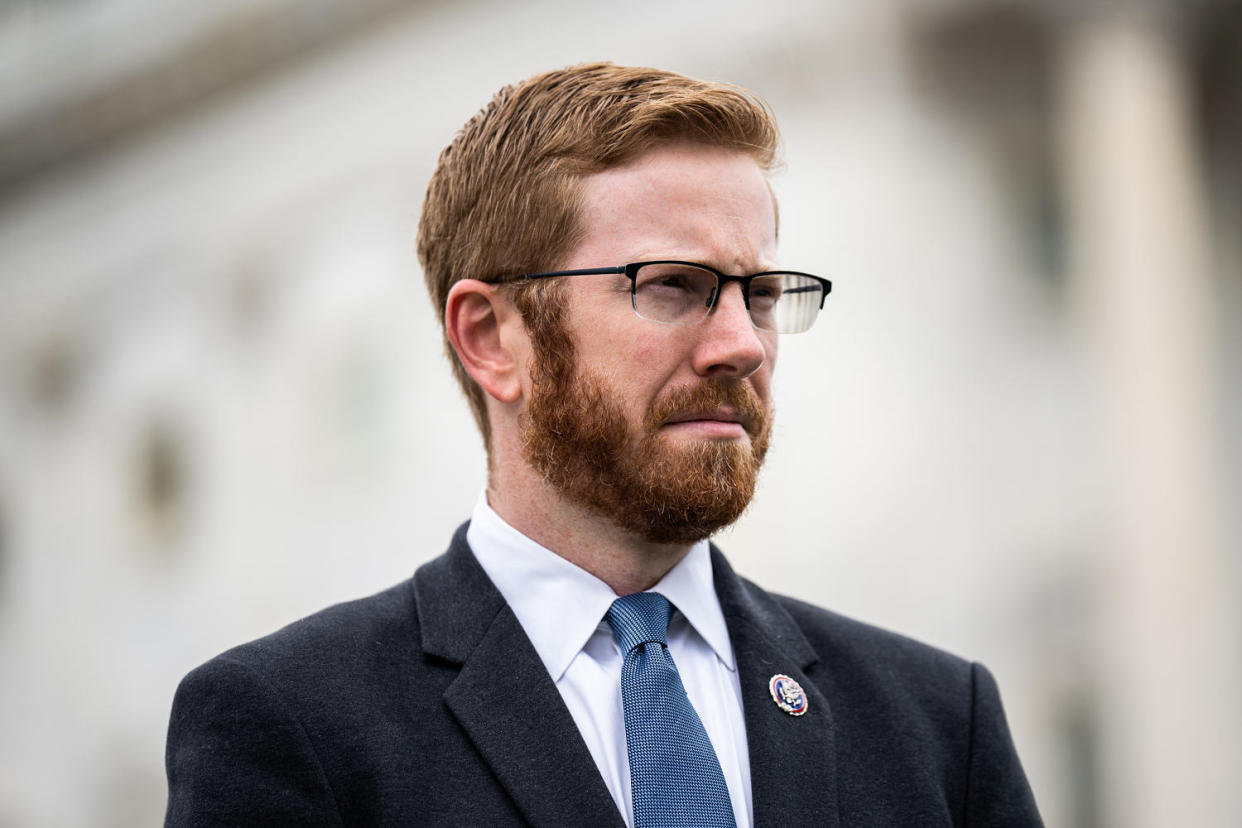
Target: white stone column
column 1170, row 692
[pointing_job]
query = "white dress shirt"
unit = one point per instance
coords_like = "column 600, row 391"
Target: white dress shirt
column 561, row 607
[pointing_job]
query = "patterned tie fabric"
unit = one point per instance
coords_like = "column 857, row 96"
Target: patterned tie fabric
column 675, row 777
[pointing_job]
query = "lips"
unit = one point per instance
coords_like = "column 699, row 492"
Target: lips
column 721, row 415
column 713, row 422
column 717, row 406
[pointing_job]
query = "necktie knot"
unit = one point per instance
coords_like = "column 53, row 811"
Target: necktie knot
column 638, row 619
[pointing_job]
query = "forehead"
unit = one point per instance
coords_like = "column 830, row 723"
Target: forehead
column 684, row 201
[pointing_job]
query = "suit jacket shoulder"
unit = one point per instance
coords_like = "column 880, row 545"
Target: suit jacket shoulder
column 917, row 736
column 875, row 662
column 424, row 704
column 299, row 727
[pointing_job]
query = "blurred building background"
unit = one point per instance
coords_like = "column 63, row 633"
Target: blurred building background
column 1015, row 434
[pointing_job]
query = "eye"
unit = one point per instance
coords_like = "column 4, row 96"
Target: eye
column 673, row 279
column 673, row 292
column 667, row 278
column 767, row 290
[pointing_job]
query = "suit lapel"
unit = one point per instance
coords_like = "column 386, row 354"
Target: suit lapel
column 504, row 698
column 792, row 758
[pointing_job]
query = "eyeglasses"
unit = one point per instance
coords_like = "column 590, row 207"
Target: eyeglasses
column 683, row 293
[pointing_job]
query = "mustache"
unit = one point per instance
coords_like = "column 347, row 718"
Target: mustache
column 736, row 395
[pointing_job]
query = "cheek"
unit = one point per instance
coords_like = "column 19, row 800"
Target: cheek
column 645, row 365
column 601, row 325
column 638, row 366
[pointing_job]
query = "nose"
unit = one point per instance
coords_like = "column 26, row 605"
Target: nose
column 729, row 346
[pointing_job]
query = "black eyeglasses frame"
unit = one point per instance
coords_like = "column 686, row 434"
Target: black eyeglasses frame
column 630, row 271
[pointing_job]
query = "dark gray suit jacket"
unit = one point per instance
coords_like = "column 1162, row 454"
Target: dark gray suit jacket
column 427, row 705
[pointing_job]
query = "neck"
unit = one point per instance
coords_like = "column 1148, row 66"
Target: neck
column 593, row 542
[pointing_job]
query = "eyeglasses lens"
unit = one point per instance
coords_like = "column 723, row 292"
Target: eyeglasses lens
column 680, row 294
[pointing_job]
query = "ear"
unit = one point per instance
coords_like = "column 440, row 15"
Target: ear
column 480, row 324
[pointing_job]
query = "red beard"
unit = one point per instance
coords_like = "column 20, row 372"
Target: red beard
column 576, row 436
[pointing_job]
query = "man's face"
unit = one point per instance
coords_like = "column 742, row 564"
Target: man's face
column 660, row 427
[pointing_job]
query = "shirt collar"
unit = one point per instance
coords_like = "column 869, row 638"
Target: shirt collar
column 690, row 588
column 560, row 605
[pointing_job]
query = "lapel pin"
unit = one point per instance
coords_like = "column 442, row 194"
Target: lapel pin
column 787, row 694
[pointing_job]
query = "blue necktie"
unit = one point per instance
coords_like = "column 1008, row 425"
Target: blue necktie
column 675, row 777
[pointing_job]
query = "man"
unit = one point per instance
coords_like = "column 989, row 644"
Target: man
column 601, row 245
